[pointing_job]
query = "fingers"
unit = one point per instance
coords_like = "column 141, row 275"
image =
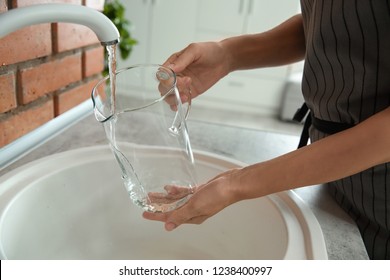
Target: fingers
column 160, row 217
column 183, row 83
column 184, row 215
column 165, row 85
column 172, row 194
column 178, row 192
column 184, row 87
column 208, row 199
column 175, row 218
column 166, row 80
column 180, row 60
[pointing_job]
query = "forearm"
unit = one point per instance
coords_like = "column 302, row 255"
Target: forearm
column 335, row 157
column 281, row 45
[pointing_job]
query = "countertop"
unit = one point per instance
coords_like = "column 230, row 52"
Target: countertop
column 342, row 237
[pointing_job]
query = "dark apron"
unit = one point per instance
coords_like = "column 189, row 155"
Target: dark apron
column 327, row 127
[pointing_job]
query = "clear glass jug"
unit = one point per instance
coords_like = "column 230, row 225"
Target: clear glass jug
column 145, row 124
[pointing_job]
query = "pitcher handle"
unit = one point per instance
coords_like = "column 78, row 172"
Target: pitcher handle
column 189, row 97
column 189, row 100
column 163, row 76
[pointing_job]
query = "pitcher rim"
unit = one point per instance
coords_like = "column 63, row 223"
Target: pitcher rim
column 105, row 78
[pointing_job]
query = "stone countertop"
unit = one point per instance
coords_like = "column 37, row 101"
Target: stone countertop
column 249, row 146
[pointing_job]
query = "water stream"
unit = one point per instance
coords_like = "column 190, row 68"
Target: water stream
column 111, row 51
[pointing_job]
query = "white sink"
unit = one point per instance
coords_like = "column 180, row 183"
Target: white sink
column 73, row 205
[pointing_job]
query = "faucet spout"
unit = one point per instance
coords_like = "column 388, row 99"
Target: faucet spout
column 103, row 27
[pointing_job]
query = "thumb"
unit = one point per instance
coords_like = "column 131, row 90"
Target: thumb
column 169, row 226
column 177, row 217
column 180, row 60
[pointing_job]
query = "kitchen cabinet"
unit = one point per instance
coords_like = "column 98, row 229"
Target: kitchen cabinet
column 256, row 91
column 161, row 27
column 244, row 94
column 221, row 16
column 235, row 17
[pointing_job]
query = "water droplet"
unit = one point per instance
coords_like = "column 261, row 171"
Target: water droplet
column 174, row 130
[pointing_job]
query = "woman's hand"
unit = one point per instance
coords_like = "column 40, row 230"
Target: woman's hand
column 207, row 200
column 199, row 66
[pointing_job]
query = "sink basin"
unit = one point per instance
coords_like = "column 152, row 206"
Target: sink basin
column 73, row 205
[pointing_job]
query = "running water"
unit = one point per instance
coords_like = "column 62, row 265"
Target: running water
column 111, row 51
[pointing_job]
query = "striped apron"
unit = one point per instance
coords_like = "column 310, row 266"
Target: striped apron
column 346, row 80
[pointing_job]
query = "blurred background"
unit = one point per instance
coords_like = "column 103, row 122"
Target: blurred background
column 261, row 99
column 48, row 70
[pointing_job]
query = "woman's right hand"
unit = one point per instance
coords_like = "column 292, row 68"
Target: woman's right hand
column 199, row 66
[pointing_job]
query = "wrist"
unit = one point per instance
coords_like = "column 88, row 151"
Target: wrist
column 243, row 183
column 229, row 49
column 255, row 181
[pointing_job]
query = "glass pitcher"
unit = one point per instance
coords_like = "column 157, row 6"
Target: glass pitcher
column 145, row 124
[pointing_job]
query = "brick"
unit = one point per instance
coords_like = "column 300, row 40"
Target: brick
column 3, row 6
column 69, row 36
column 93, row 61
column 48, row 77
column 25, row 44
column 22, row 3
column 95, row 4
column 69, row 99
column 7, row 92
column 17, row 125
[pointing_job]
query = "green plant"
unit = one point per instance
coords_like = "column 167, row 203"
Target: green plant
column 115, row 11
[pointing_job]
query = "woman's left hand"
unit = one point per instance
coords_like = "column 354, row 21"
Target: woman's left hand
column 207, row 200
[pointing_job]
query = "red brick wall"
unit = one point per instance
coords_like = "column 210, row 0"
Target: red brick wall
column 45, row 70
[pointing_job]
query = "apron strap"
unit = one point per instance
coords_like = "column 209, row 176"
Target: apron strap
column 327, row 127
column 299, row 115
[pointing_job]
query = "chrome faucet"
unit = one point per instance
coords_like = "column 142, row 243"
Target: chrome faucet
column 103, row 27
